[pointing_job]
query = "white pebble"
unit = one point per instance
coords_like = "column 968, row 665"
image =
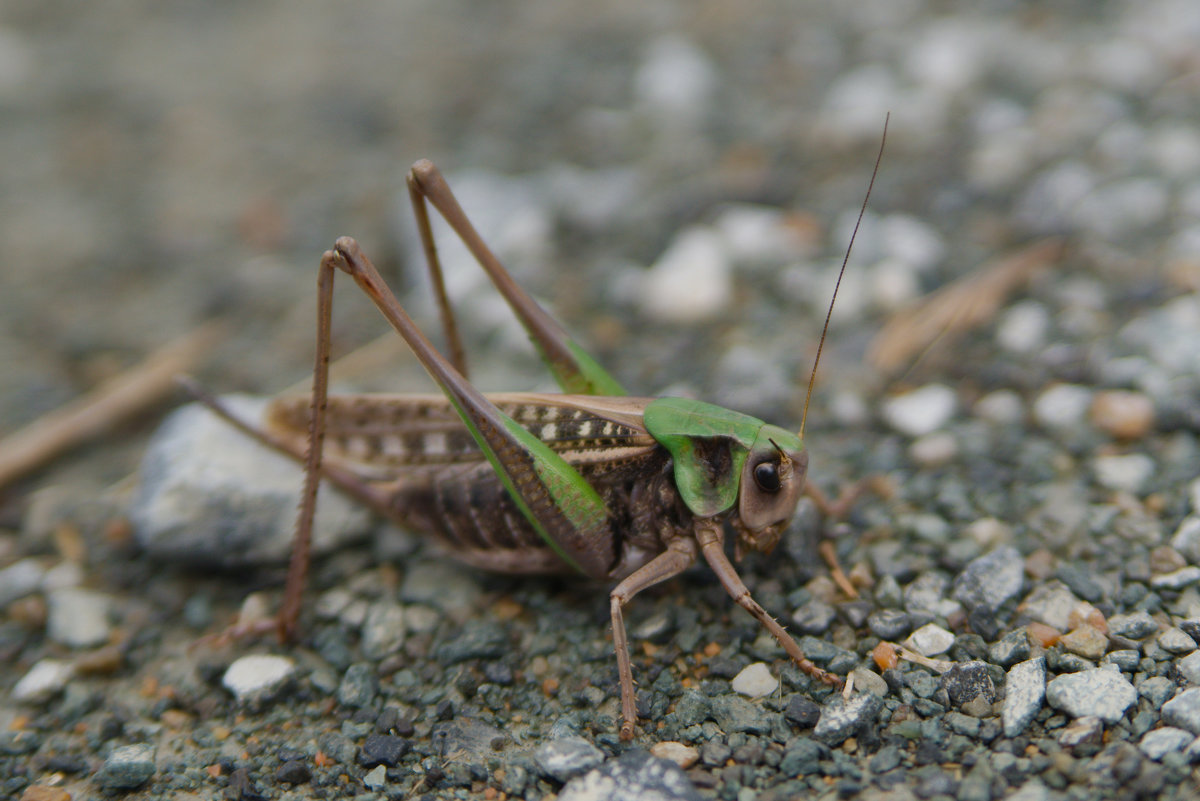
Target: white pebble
column 921, row 411
column 755, row 681
column 44, row 680
column 1002, row 407
column 1062, row 406
column 691, row 281
column 1129, row 472
column 934, row 449
column 760, row 235
column 911, row 240
column 257, row 675
column 930, row 640
column 20, row 579
column 676, row 80
column 1022, row 328
column 78, row 618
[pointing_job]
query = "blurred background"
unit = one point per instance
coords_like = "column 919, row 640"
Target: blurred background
column 170, row 163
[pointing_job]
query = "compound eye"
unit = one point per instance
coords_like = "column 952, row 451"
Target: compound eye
column 766, row 476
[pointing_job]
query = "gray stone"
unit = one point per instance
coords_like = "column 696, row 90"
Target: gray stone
column 442, row 584
column 1100, row 692
column 1052, row 604
column 127, row 768
column 733, row 714
column 359, row 686
column 1134, row 626
column 20, row 579
column 814, row 617
column 1158, row 743
column 375, row 778
column 208, row 494
column 841, row 719
column 1025, row 690
column 1189, row 667
column 1010, row 649
column 1183, row 710
column 991, row 580
column 1186, row 538
column 1126, row 659
column 1157, row 690
column 1176, row 580
column 889, row 624
column 1175, row 641
column 383, row 629
column 566, row 758
column 477, row 639
column 1085, row 731
column 967, row 681
column 635, row 776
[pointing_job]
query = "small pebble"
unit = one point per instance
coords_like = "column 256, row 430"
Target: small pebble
column 682, row 755
column 921, row 411
column 1001, row 407
column 991, row 580
column 1123, row 414
column 1129, row 472
column 1177, row 580
column 636, row 774
column 1134, row 626
column 841, row 719
column 1186, row 538
column 1086, row 641
column 1158, row 743
column 1087, row 730
column 1102, row 693
column 43, row 681
column 1175, row 641
column 376, row 778
column 20, row 579
column 691, row 281
column 1023, row 326
column 1189, row 667
column 258, row 676
column 930, row 640
column 566, row 758
column 1025, row 690
column 967, row 681
column 1062, row 406
column 933, row 450
column 127, row 767
column 383, row 630
column 755, row 680
column 868, row 681
column 1184, row 710
column 78, row 618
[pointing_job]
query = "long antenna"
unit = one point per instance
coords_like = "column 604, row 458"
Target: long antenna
column 812, row 379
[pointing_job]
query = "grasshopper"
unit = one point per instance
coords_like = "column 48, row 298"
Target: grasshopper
column 594, row 482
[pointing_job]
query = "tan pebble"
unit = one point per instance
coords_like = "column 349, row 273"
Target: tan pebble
column 682, row 755
column 1123, row 414
column 1042, row 634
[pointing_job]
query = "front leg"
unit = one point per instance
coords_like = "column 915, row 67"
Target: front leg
column 712, row 544
column 679, row 556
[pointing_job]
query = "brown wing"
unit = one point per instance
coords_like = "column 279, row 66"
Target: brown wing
column 393, row 436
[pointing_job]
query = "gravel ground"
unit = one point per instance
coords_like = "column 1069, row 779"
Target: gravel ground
column 678, row 182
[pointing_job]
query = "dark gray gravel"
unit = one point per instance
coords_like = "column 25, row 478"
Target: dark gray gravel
column 678, row 184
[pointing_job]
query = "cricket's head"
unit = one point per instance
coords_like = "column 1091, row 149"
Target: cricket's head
column 771, row 483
